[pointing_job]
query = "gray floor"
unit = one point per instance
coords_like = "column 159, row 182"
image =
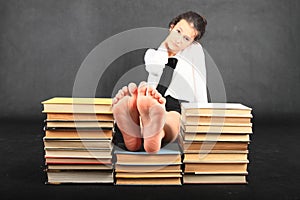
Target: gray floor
column 273, row 169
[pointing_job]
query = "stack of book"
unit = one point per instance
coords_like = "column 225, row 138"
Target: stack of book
column 78, row 140
column 215, row 139
column 142, row 168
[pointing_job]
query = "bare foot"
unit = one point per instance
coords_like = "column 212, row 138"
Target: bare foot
column 151, row 106
column 126, row 116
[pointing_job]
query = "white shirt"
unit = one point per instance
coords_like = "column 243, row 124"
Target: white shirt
column 189, row 77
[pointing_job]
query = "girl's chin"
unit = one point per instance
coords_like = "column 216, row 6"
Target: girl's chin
column 173, row 49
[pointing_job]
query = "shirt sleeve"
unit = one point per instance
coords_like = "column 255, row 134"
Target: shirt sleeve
column 198, row 60
column 155, row 61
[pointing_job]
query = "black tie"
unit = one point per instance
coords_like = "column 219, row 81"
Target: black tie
column 166, row 76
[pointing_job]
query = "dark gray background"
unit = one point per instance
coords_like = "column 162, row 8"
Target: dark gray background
column 255, row 45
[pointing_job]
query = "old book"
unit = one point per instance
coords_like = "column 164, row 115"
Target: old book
column 214, row 179
column 167, row 155
column 199, row 119
column 79, row 167
column 79, row 117
column 84, row 176
column 147, row 174
column 216, row 168
column 148, row 159
column 217, row 129
column 215, row 157
column 215, row 109
column 78, row 161
column 77, row 153
column 148, row 168
column 206, row 151
column 148, row 181
column 77, row 105
column 161, row 168
column 216, row 137
column 79, row 124
column 206, row 145
column 77, row 144
column 79, row 134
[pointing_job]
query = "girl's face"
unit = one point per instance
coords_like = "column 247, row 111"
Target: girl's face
column 181, row 36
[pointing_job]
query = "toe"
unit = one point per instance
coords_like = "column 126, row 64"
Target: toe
column 125, row 90
column 115, row 100
column 142, row 89
column 162, row 100
column 151, row 90
column 132, row 88
column 120, row 94
column 156, row 94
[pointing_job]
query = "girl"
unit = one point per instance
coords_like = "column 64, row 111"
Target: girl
column 149, row 114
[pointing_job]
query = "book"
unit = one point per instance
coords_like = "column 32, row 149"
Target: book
column 79, row 117
column 215, row 109
column 84, row 176
column 149, row 159
column 79, row 124
column 216, row 168
column 199, row 119
column 211, row 151
column 77, row 153
column 148, row 174
column 220, row 145
column 77, row 144
column 77, row 105
column 77, row 161
column 149, row 181
column 216, row 137
column 78, row 140
column 79, row 167
column 142, row 168
column 167, row 155
column 79, row 134
column 217, row 129
column 214, row 179
column 215, row 157
column 148, row 168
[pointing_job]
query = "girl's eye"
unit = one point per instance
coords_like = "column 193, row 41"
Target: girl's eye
column 186, row 39
column 178, row 31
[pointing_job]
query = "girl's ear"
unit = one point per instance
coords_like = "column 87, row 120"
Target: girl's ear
column 171, row 27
